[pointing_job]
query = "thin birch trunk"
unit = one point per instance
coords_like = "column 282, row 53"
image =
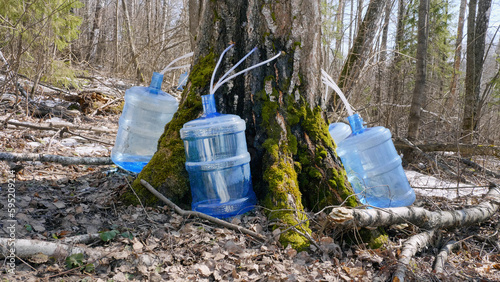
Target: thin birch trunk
column 451, row 99
column 130, row 38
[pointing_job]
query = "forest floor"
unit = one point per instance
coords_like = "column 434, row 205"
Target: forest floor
column 137, row 243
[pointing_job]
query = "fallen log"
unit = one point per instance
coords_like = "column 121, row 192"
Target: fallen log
column 464, row 149
column 429, row 220
column 445, row 167
column 16, row 157
column 25, row 248
column 420, row 217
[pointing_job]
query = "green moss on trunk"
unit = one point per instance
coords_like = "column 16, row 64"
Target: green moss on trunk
column 166, row 170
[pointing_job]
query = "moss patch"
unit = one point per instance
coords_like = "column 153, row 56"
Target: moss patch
column 166, row 171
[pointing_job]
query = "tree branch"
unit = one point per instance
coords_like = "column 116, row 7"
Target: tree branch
column 443, row 255
column 411, row 247
column 55, row 126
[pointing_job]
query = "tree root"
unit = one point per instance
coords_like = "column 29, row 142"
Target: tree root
column 15, row 157
column 185, row 213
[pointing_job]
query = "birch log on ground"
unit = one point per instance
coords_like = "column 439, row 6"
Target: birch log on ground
column 431, row 221
column 16, row 157
column 26, row 248
column 344, row 217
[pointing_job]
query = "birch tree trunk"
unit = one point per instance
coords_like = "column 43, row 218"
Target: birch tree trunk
column 95, row 32
column 419, row 94
column 293, row 160
column 117, row 29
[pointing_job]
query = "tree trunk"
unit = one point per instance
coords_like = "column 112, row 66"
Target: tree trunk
column 95, row 32
column 293, row 160
column 148, row 21
column 116, row 41
column 393, row 89
column 130, row 38
column 382, row 69
column 419, row 94
column 361, row 47
column 476, row 37
column 449, row 103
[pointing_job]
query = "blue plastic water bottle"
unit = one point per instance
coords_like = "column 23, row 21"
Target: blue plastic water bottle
column 374, row 167
column 218, row 163
column 146, row 112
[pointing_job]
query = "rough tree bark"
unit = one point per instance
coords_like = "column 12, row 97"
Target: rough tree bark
column 293, row 160
column 394, row 94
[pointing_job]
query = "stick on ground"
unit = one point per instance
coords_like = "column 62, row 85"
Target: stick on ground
column 212, row 219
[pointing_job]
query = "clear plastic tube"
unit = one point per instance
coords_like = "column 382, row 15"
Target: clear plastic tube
column 328, row 80
column 217, row 67
column 176, row 60
column 219, row 84
column 235, row 66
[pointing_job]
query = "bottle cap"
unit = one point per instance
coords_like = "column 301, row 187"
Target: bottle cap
column 156, row 81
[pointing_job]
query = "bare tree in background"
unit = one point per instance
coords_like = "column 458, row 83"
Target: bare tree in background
column 421, row 69
column 477, row 26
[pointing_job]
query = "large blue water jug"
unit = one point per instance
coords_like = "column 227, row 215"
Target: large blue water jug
column 374, row 167
column 218, row 163
column 146, row 112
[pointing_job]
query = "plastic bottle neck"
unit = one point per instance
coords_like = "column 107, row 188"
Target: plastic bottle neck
column 156, row 81
column 208, row 102
column 356, row 123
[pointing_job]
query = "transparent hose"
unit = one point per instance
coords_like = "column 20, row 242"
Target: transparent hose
column 217, row 66
column 329, row 82
column 176, row 60
column 222, row 81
